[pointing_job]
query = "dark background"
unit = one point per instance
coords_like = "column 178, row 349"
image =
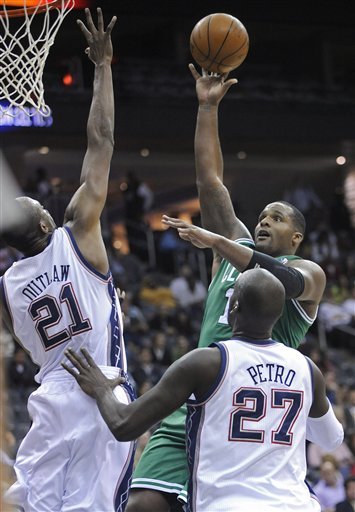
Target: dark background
column 292, row 111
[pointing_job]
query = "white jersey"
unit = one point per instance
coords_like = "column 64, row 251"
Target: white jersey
column 56, row 300
column 246, row 438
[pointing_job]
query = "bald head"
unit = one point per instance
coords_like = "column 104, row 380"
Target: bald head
column 256, row 304
column 34, row 224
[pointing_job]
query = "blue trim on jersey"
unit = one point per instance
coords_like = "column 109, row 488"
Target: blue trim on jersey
column 311, row 491
column 115, row 342
column 221, row 373
column 122, row 492
column 194, row 418
column 84, row 261
column 312, row 374
column 127, row 385
column 262, row 343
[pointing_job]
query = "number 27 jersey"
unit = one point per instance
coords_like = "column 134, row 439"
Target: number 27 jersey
column 56, row 300
column 246, row 437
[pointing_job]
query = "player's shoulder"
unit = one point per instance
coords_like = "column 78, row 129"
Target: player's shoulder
column 249, row 242
column 310, row 266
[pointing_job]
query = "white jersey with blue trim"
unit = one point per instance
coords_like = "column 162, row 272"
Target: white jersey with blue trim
column 56, row 300
column 246, row 437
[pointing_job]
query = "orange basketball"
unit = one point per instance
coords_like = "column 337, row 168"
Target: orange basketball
column 219, row 43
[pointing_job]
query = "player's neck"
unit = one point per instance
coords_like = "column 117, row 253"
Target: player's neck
column 38, row 246
column 252, row 334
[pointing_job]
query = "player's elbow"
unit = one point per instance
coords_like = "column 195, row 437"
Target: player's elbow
column 122, row 430
column 335, row 440
column 101, row 136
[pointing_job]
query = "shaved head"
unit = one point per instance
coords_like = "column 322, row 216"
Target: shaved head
column 257, row 302
column 34, row 223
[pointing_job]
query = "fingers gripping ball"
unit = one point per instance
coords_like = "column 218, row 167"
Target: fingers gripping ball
column 219, row 43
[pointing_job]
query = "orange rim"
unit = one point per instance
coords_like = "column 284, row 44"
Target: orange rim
column 31, row 7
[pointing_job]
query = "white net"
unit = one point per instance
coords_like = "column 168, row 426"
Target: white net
column 24, row 48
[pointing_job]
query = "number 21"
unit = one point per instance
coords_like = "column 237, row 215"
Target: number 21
column 52, row 316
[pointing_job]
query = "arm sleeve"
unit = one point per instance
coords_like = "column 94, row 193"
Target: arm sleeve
column 326, row 431
column 291, row 278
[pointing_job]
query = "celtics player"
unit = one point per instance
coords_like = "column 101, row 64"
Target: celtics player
column 162, row 471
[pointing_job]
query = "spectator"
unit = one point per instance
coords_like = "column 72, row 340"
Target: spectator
column 324, row 244
column 146, row 369
column 138, row 200
column 181, row 347
column 333, row 316
column 303, row 197
column 161, row 354
column 156, row 294
column 349, row 410
column 187, row 289
column 330, row 488
column 348, row 505
column 342, row 456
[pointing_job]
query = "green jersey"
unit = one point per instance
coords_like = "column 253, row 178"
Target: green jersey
column 290, row 329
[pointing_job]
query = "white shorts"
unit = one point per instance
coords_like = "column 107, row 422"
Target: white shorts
column 69, row 460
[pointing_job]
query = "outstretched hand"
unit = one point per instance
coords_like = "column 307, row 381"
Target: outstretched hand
column 211, row 87
column 88, row 375
column 99, row 41
column 197, row 236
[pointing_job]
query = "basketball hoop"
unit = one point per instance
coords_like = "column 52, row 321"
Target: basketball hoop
column 24, row 49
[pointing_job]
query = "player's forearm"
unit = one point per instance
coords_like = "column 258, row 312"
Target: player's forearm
column 208, row 154
column 128, row 422
column 116, row 415
column 238, row 255
column 100, row 125
column 102, row 111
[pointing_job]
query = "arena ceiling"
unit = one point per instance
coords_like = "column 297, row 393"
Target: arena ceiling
column 293, row 111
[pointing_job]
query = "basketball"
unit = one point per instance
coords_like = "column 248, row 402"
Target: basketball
column 219, row 43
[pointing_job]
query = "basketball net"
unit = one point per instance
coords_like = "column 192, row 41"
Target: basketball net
column 24, row 48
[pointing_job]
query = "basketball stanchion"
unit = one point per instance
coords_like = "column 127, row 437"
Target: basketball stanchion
column 24, row 48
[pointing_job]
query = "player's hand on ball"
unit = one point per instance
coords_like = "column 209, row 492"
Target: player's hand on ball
column 88, row 375
column 211, row 87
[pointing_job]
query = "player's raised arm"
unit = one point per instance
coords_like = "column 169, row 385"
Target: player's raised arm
column 84, row 210
column 217, row 210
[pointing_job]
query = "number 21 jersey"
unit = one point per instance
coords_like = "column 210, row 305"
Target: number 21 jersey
column 56, row 299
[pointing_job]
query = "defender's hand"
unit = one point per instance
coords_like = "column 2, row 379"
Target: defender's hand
column 89, row 376
column 100, row 44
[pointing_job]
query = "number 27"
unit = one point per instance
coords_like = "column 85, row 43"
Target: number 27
column 252, row 407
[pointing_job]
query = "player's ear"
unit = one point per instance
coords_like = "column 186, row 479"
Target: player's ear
column 297, row 238
column 43, row 226
column 233, row 310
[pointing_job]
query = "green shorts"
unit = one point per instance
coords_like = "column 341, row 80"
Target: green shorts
column 163, row 464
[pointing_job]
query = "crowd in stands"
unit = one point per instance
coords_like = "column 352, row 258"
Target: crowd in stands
column 163, row 310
